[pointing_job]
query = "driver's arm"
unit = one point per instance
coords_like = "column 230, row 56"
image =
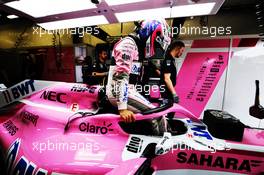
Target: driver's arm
column 124, row 55
column 169, row 83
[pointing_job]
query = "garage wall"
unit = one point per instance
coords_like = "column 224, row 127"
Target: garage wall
column 213, row 75
column 246, row 66
column 29, row 36
column 38, row 64
column 10, row 68
column 59, row 69
column 242, row 21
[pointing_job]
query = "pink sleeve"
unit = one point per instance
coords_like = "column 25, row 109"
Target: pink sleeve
column 124, row 53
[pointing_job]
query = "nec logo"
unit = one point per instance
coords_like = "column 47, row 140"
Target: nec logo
column 53, row 96
column 18, row 91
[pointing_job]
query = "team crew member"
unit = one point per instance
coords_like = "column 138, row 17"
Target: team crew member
column 86, row 69
column 97, row 73
column 126, row 53
column 169, row 71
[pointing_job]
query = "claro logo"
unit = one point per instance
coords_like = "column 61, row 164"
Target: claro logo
column 96, row 129
column 218, row 162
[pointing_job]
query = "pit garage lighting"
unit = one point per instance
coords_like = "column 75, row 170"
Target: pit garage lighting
column 41, row 8
column 143, row 14
column 192, row 10
column 119, row 2
column 12, row 16
column 76, row 22
column 176, row 11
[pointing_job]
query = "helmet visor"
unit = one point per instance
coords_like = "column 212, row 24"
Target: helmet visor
column 164, row 42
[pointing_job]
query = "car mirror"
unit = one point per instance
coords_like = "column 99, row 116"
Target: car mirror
column 164, row 145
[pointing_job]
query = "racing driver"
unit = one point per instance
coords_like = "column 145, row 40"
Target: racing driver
column 128, row 54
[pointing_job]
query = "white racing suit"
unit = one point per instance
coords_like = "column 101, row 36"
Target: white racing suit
column 118, row 90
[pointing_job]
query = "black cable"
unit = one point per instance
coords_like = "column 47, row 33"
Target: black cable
column 57, row 50
column 54, row 43
column 20, row 38
column 260, row 18
column 83, row 114
column 59, row 54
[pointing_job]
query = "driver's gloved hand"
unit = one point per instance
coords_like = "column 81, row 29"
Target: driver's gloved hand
column 176, row 98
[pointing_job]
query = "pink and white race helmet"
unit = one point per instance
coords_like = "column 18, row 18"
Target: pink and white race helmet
column 154, row 31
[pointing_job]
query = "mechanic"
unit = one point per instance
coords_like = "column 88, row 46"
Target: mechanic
column 128, row 52
column 169, row 71
column 86, row 67
column 97, row 73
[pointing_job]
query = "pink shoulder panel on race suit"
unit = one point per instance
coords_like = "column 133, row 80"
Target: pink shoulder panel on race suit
column 125, row 53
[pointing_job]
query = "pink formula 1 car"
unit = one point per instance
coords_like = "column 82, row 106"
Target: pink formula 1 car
column 61, row 128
